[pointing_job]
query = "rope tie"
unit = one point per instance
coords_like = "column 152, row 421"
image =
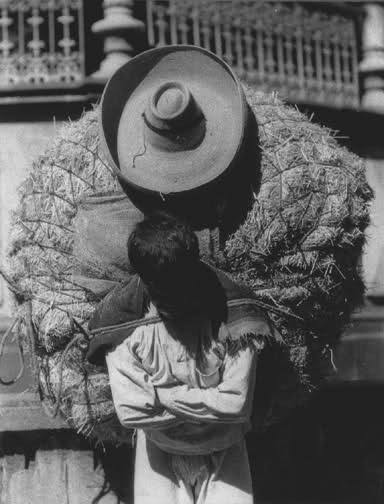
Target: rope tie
column 20, row 353
column 328, row 349
column 32, row 340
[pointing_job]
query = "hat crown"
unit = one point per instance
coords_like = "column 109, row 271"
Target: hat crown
column 172, row 108
column 173, row 119
column 170, row 101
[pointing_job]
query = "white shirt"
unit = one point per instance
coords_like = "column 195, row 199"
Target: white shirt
column 187, row 402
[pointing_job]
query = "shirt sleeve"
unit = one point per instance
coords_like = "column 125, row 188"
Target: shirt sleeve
column 133, row 393
column 229, row 402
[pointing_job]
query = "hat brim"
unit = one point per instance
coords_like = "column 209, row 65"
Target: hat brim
column 215, row 89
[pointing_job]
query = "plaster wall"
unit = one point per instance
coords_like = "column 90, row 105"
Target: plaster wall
column 20, row 143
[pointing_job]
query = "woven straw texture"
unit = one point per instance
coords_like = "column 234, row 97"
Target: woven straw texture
column 298, row 248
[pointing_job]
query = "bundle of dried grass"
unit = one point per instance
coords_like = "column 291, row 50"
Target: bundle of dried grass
column 301, row 244
column 298, row 248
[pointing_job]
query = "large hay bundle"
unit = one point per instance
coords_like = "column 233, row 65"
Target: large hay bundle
column 298, row 248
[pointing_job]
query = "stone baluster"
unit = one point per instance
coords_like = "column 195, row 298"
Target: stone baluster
column 118, row 27
column 372, row 65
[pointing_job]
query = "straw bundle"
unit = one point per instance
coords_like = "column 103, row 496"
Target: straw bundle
column 298, row 249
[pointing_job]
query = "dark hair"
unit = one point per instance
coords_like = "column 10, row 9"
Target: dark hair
column 165, row 253
column 161, row 248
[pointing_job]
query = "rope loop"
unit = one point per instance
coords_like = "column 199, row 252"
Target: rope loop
column 15, row 324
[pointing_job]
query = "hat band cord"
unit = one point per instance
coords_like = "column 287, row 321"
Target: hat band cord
column 169, row 133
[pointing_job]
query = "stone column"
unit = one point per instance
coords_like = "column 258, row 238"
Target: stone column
column 372, row 64
column 118, row 27
column 373, row 258
column 372, row 72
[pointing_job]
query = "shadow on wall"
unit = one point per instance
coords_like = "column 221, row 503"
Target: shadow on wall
column 330, row 452
column 118, row 465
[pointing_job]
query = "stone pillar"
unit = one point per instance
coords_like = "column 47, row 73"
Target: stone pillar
column 117, row 27
column 373, row 258
column 372, row 64
column 372, row 72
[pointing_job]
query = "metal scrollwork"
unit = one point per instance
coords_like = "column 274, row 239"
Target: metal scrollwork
column 41, row 43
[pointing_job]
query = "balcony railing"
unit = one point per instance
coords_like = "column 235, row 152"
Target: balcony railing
column 306, row 53
column 41, row 43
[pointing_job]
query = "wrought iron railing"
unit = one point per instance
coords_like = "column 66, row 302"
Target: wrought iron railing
column 41, row 43
column 306, row 53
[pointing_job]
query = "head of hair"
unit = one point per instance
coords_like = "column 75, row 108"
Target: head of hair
column 162, row 250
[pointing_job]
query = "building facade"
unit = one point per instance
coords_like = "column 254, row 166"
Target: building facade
column 55, row 58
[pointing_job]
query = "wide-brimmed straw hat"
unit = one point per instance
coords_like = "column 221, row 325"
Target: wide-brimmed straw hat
column 173, row 119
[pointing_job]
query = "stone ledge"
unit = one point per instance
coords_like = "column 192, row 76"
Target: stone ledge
column 24, row 412
column 370, row 312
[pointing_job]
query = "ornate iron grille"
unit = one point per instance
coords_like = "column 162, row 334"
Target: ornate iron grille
column 41, row 43
column 305, row 53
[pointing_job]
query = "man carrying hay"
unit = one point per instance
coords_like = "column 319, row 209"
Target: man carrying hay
column 185, row 377
column 176, row 127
